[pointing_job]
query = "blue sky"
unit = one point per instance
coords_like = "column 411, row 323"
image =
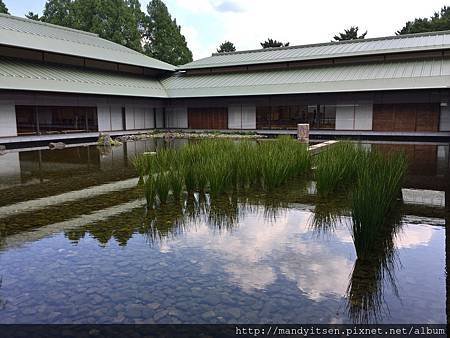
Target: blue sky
column 206, row 23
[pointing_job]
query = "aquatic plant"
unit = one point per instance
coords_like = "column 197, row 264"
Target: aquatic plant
column 218, row 166
column 176, row 182
column 149, row 190
column 336, row 168
column 378, row 187
column 162, row 185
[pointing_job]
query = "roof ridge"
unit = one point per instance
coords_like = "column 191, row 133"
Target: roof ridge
column 380, row 38
column 36, row 22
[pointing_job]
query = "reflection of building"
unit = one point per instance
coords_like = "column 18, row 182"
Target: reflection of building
column 59, row 83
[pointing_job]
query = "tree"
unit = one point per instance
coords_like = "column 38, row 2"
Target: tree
column 226, row 47
column 440, row 21
column 162, row 36
column 114, row 20
column 119, row 21
column 58, row 12
column 350, row 34
column 33, row 16
column 270, row 43
column 3, row 8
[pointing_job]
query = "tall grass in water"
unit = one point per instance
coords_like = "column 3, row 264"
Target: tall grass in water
column 336, row 167
column 219, row 166
column 378, row 187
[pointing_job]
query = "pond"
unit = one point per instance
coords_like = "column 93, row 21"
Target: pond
column 78, row 246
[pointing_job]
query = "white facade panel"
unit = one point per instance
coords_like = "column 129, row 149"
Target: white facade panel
column 444, row 123
column 364, row 116
column 104, row 117
column 139, row 117
column 116, row 117
column 345, row 117
column 241, row 116
column 129, row 117
column 8, row 126
column 149, row 118
column 176, row 117
column 159, row 118
column 248, row 117
column 235, row 116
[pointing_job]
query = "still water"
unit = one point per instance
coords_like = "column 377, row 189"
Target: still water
column 78, row 246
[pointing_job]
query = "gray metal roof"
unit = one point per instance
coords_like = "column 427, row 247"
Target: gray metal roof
column 25, row 33
column 419, row 74
column 23, row 75
column 392, row 44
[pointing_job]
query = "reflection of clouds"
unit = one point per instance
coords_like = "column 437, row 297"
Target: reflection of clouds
column 414, row 235
column 317, row 270
column 257, row 248
column 255, row 276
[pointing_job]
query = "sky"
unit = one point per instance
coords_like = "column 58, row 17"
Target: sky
column 207, row 23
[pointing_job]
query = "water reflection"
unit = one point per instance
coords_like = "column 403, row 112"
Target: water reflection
column 248, row 256
column 376, row 257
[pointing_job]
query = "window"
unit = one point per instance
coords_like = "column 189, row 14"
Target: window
column 55, row 119
column 288, row 117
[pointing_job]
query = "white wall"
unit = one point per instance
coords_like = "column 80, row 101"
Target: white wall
column 139, row 117
column 345, row 117
column 116, row 117
column 357, row 116
column 235, row 116
column 176, row 117
column 248, row 117
column 8, row 126
column 159, row 118
column 444, row 123
column 149, row 118
column 364, row 116
column 241, row 116
column 104, row 117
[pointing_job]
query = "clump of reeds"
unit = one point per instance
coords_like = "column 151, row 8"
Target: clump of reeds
column 336, row 168
column 377, row 188
column 219, row 166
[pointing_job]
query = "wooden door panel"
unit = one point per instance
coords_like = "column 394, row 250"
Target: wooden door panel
column 427, row 117
column 208, row 118
column 404, row 117
column 383, row 117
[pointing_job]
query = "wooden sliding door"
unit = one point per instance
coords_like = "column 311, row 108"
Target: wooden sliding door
column 406, row 117
column 208, row 118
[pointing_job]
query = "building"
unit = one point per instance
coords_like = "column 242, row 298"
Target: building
column 60, row 83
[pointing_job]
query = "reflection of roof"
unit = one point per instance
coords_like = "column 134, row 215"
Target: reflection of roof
column 26, row 33
column 384, row 45
column 23, row 75
column 418, row 74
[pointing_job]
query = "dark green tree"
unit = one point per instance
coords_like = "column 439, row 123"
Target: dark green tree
column 440, row 21
column 270, row 43
column 114, row 20
column 3, row 8
column 350, row 34
column 120, row 21
column 226, row 47
column 162, row 36
column 33, row 16
column 59, row 12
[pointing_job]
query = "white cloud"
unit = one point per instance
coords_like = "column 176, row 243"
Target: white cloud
column 248, row 22
column 228, row 6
